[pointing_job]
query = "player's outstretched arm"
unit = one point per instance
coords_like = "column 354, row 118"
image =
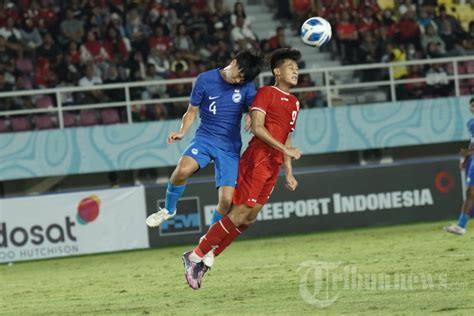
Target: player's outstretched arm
column 291, row 182
column 186, row 122
column 259, row 130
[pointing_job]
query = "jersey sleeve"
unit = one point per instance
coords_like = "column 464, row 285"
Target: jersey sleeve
column 250, row 95
column 261, row 101
column 197, row 94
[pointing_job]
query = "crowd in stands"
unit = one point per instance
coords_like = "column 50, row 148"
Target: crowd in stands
column 53, row 43
column 374, row 31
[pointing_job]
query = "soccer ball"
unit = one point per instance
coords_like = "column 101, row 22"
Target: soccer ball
column 316, row 31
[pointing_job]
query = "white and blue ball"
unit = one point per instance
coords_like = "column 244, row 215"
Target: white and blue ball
column 316, row 31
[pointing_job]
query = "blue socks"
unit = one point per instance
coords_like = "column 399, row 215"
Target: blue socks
column 463, row 218
column 173, row 193
column 216, row 216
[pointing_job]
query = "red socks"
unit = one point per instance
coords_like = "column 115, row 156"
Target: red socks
column 216, row 234
column 229, row 239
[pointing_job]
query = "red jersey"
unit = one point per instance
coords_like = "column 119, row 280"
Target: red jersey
column 281, row 111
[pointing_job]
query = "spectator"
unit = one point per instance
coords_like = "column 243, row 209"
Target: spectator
column 74, row 53
column 30, row 35
column 92, row 50
column 9, row 32
column 398, row 54
column 368, row 23
column 239, row 11
column 278, row 40
column 444, row 19
column 437, row 81
column 7, row 56
column 468, row 40
column 72, row 29
column 196, row 22
column 24, row 63
column 88, row 80
column 405, row 6
column 68, row 69
column 49, row 50
column 388, row 25
column 154, row 91
column 159, row 40
column 243, row 37
column 432, row 37
column 182, row 41
column 414, row 90
column 116, row 23
column 161, row 62
column 425, row 20
column 348, row 37
column 222, row 12
column 112, row 76
column 447, row 35
column 409, row 31
column 115, row 47
column 157, row 112
column 136, row 31
column 307, row 99
column 369, row 53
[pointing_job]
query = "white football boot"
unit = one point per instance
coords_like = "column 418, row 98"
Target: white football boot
column 455, row 229
column 159, row 217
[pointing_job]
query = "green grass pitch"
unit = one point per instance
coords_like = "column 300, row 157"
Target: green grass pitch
column 411, row 269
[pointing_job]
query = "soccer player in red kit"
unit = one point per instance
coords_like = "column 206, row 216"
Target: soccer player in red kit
column 274, row 112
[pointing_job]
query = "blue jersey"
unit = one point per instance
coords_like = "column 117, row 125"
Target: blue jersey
column 220, row 109
column 470, row 128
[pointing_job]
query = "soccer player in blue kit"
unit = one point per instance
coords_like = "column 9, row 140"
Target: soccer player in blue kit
column 468, row 166
column 220, row 96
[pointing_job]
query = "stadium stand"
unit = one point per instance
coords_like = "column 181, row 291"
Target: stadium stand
column 52, row 44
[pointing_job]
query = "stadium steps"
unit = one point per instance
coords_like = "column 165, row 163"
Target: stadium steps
column 264, row 27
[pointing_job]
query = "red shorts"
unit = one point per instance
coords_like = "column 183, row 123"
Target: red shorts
column 258, row 174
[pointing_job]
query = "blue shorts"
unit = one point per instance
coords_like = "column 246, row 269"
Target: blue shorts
column 469, row 170
column 226, row 163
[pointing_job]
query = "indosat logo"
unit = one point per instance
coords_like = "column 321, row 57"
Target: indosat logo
column 88, row 210
column 29, row 241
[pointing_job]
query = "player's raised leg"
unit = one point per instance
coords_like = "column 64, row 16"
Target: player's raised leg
column 223, row 208
column 176, row 186
column 226, row 171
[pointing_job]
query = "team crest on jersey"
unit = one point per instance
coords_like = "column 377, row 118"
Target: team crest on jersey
column 236, row 97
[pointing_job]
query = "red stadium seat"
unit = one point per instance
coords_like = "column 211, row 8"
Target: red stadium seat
column 470, row 67
column 465, row 91
column 461, row 68
column 110, row 116
column 20, row 123
column 88, row 118
column 4, row 125
column 44, row 102
column 69, row 119
column 449, row 68
column 43, row 121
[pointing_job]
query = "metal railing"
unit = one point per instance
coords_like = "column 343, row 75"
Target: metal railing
column 328, row 87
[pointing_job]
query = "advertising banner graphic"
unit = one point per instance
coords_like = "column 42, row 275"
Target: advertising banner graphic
column 339, row 198
column 72, row 224
column 186, row 221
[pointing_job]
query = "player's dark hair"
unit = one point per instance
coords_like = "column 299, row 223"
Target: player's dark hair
column 279, row 56
column 250, row 64
column 472, row 100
